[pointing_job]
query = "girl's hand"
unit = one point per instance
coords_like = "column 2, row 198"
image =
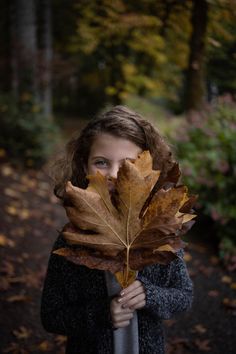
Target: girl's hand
column 133, row 297
column 120, row 316
column 130, row 299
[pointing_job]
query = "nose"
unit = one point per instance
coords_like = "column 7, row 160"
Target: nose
column 113, row 170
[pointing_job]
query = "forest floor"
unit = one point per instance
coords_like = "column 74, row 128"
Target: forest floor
column 31, row 217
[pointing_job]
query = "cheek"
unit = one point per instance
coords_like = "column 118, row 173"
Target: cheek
column 92, row 170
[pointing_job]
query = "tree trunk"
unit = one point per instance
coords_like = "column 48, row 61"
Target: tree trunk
column 24, row 36
column 195, row 85
column 46, row 58
column 5, row 69
column 13, row 49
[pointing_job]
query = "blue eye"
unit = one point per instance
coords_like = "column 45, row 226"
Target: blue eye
column 101, row 163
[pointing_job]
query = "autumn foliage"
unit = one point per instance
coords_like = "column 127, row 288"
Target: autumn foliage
column 137, row 224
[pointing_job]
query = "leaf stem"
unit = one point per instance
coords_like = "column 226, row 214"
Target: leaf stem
column 127, row 266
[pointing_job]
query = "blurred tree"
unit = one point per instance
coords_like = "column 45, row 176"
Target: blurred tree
column 25, row 105
column 45, row 56
column 13, row 77
column 26, row 50
column 212, row 52
column 5, row 61
column 195, row 83
column 123, row 48
column 221, row 49
column 106, row 51
column 66, row 66
column 125, row 42
column 24, row 47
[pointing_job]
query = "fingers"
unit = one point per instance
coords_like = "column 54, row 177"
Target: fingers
column 133, row 296
column 122, row 307
column 121, row 324
column 135, row 285
column 138, row 305
column 120, row 316
column 117, row 308
column 135, row 302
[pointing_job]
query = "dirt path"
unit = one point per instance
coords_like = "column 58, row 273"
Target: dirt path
column 29, row 222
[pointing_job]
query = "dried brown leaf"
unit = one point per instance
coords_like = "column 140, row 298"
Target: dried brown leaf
column 229, row 303
column 4, row 241
column 108, row 230
column 22, row 333
column 19, row 298
column 199, row 328
column 213, row 293
column 203, row 345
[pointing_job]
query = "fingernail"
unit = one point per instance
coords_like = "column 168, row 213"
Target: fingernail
column 122, row 293
column 124, row 306
column 119, row 300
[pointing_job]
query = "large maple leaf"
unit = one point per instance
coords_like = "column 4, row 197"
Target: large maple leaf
column 140, row 223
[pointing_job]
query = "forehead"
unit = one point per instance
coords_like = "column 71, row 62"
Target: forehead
column 113, row 147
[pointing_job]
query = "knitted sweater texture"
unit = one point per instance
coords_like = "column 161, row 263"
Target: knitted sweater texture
column 75, row 303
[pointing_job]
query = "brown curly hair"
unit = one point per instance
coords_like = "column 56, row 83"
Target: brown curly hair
column 120, row 122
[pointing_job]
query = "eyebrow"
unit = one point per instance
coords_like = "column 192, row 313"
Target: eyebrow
column 105, row 158
column 99, row 157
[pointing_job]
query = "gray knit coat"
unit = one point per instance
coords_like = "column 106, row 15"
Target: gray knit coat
column 75, row 303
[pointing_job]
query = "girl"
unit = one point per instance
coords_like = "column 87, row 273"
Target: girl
column 87, row 305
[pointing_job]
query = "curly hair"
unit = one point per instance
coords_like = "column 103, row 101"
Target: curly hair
column 120, row 122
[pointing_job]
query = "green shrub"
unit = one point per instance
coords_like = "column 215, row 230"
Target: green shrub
column 206, row 149
column 26, row 134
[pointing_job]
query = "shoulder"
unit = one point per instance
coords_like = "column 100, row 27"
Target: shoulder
column 164, row 271
column 62, row 266
column 59, row 242
column 68, row 268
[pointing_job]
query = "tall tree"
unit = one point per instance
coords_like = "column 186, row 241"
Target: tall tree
column 14, row 77
column 25, row 45
column 195, row 86
column 46, row 56
column 221, row 51
column 4, row 46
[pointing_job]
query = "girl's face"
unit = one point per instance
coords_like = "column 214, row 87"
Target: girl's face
column 107, row 154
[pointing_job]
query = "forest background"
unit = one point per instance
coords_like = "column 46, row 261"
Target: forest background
column 174, row 61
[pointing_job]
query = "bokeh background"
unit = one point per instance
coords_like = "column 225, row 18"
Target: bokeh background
column 61, row 63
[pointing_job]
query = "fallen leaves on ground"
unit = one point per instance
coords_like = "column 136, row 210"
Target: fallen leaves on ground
column 15, row 348
column 5, row 241
column 60, row 340
column 202, row 345
column 199, row 328
column 226, row 279
column 19, row 298
column 177, row 345
column 214, row 260
column 45, row 346
column 213, row 293
column 22, row 332
column 206, row 270
column 229, row 303
column 187, row 257
column 233, row 285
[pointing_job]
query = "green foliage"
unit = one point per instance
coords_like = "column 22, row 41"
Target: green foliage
column 123, row 48
column 106, row 51
column 221, row 49
column 26, row 135
column 206, row 149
